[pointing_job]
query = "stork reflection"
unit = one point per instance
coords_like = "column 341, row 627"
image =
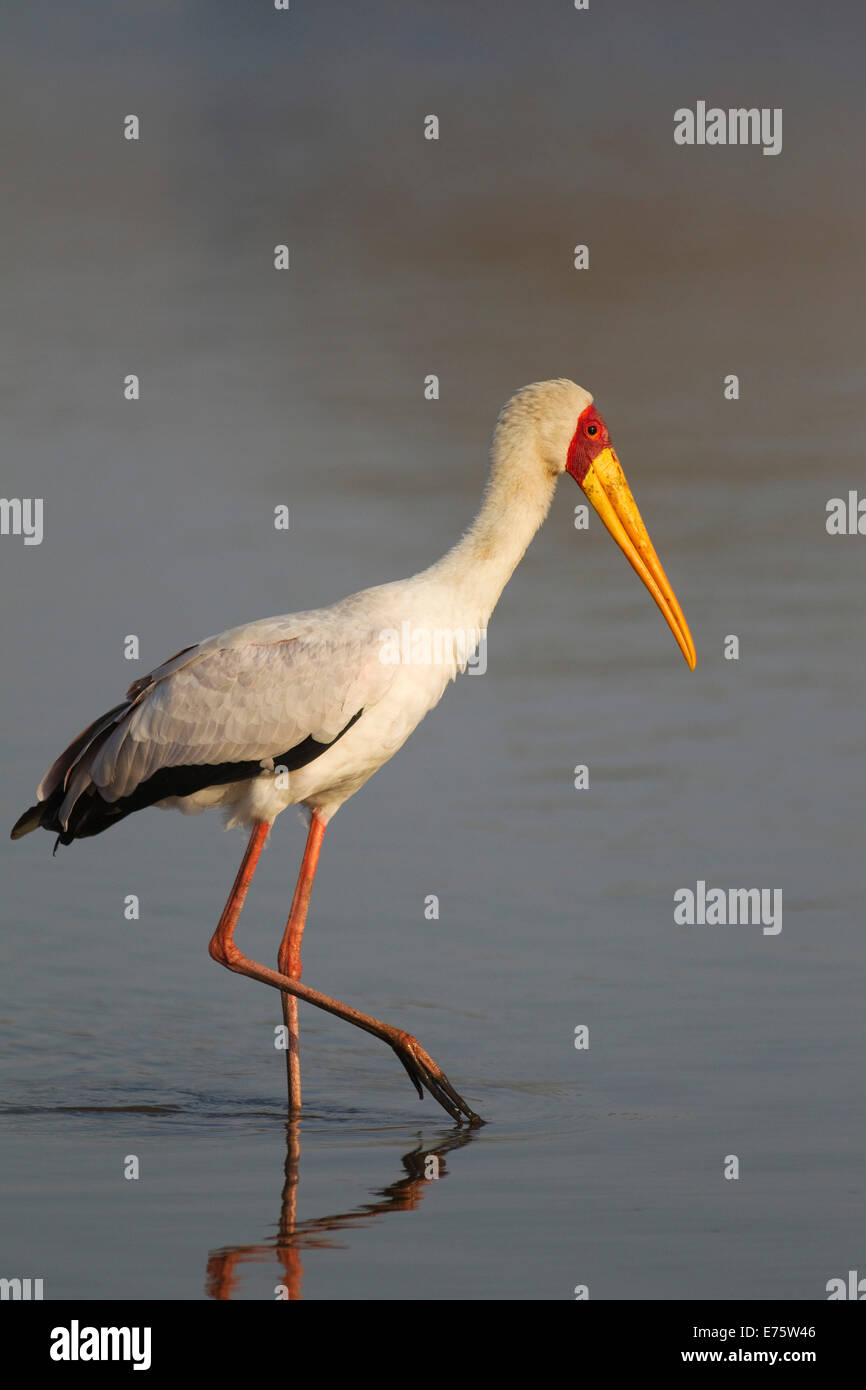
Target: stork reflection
column 422, row 1166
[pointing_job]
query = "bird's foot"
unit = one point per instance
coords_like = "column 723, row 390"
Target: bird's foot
column 423, row 1071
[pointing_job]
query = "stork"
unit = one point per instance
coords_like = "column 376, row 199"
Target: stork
column 303, row 709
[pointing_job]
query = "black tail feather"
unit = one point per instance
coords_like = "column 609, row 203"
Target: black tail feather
column 31, row 820
column 91, row 813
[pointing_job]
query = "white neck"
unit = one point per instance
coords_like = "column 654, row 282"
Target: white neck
column 516, row 500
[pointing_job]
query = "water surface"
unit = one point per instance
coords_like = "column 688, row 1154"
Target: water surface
column 601, row 1167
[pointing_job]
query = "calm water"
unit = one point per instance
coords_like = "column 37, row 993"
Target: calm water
column 604, row 1166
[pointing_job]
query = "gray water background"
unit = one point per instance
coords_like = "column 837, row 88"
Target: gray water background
column 602, row 1167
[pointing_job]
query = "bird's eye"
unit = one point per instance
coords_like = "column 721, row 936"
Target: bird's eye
column 592, row 430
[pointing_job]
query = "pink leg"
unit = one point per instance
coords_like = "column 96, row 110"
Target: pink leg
column 289, row 958
column 422, row 1069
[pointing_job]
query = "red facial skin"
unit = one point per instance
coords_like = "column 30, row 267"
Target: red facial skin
column 590, row 437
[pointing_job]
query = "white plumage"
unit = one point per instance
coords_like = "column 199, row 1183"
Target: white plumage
column 256, row 692
column 304, row 709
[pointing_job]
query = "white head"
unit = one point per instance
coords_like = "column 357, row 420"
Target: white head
column 550, row 428
column 542, row 417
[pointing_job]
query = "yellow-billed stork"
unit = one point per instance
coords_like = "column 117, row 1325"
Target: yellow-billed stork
column 303, row 709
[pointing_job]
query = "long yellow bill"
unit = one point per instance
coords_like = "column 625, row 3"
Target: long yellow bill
column 605, row 485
